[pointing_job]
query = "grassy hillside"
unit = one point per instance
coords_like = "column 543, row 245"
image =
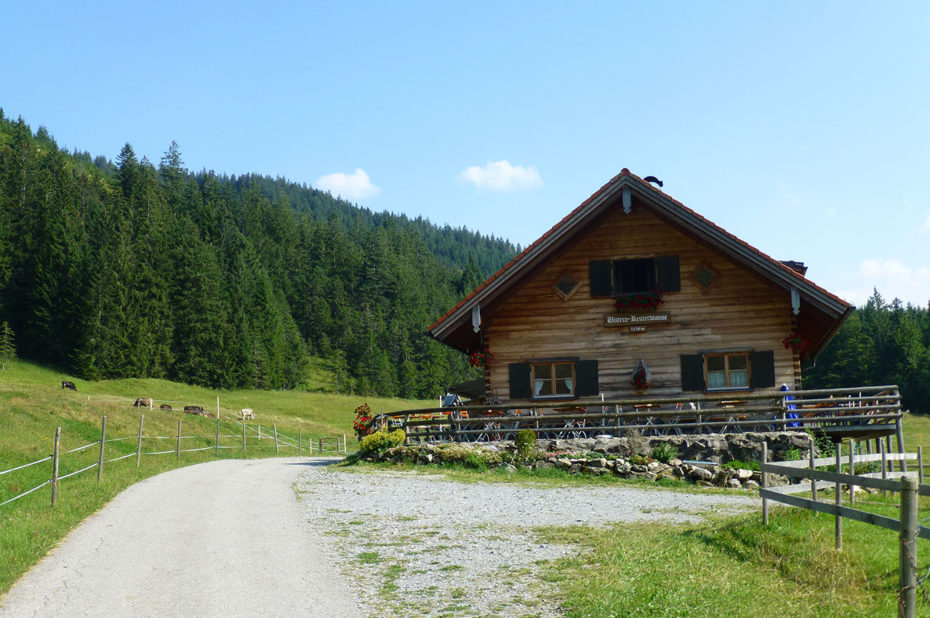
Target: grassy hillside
column 32, row 405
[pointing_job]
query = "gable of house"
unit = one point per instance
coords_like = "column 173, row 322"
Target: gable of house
column 549, row 317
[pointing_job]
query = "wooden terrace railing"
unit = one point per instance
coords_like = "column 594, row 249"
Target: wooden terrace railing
column 868, row 411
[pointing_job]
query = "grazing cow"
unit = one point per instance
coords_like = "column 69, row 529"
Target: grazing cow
column 165, row 407
column 66, row 384
column 193, row 410
column 209, row 415
column 143, row 402
column 246, row 414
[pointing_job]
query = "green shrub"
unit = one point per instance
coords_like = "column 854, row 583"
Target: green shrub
column 736, row 464
column 475, row 460
column 525, row 443
column 663, row 451
column 380, row 441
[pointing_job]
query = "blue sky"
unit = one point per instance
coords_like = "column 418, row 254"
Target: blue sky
column 801, row 127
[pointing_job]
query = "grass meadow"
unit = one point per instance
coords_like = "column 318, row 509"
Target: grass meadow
column 33, row 404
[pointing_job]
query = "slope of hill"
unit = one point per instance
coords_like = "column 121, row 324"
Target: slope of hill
column 33, row 404
column 125, row 269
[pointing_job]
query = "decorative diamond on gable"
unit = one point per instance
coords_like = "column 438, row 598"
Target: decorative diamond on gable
column 705, row 276
column 567, row 285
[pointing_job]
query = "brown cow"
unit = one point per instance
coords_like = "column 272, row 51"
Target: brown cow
column 165, row 407
column 193, row 410
column 143, row 402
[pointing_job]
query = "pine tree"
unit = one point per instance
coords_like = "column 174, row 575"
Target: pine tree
column 7, row 345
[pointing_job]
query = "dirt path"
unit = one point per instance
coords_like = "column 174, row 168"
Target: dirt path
column 225, row 538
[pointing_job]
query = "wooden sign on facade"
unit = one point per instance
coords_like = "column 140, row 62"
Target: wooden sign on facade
column 634, row 320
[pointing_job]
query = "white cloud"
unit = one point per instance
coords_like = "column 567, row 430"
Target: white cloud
column 355, row 186
column 892, row 279
column 501, row 176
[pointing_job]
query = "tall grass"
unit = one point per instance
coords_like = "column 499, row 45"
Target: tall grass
column 32, row 405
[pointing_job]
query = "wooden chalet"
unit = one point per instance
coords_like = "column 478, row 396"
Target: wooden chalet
column 636, row 313
column 632, row 281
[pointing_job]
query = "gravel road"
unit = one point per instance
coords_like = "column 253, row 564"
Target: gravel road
column 230, row 538
column 225, row 538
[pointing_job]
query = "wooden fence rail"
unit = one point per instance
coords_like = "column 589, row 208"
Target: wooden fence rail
column 908, row 484
column 335, row 444
column 865, row 411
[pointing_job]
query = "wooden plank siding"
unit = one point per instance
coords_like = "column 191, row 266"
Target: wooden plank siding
column 740, row 311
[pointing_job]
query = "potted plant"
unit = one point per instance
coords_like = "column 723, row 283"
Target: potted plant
column 796, row 342
column 639, row 300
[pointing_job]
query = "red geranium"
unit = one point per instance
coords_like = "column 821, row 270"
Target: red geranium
column 479, row 359
column 641, row 300
column 362, row 424
column 796, row 342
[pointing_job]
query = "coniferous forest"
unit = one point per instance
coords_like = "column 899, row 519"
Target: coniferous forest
column 128, row 269
column 131, row 269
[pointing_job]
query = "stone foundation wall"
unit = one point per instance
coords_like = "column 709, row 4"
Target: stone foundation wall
column 700, row 458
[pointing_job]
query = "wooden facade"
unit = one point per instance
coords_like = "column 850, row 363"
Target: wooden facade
column 550, row 323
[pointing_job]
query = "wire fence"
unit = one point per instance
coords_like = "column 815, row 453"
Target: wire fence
column 254, row 433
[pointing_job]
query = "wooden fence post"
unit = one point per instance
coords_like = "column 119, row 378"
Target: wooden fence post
column 345, row 448
column 259, row 433
column 103, row 442
column 900, row 432
column 852, row 469
column 243, row 436
column 275, row 425
column 56, row 455
column 920, row 465
column 839, row 498
column 884, row 465
column 216, row 448
column 811, row 457
column 907, row 561
column 177, row 452
column 321, row 446
column 764, row 479
column 139, row 443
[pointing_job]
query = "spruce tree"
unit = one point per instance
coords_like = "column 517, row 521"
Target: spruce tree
column 7, row 345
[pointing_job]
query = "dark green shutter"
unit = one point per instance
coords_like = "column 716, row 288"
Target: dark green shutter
column 762, row 369
column 692, row 372
column 599, row 272
column 586, row 375
column 520, row 387
column 668, row 274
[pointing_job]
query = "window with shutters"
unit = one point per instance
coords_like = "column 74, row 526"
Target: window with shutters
column 632, row 276
column 725, row 371
column 553, row 379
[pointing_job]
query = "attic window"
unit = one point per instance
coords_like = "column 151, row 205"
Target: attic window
column 567, row 286
column 705, row 276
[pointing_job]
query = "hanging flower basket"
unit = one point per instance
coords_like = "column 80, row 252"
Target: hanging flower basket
column 479, row 359
column 796, row 342
column 641, row 376
column 640, row 300
column 362, row 424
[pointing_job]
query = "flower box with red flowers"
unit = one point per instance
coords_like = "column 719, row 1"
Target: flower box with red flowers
column 640, row 300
